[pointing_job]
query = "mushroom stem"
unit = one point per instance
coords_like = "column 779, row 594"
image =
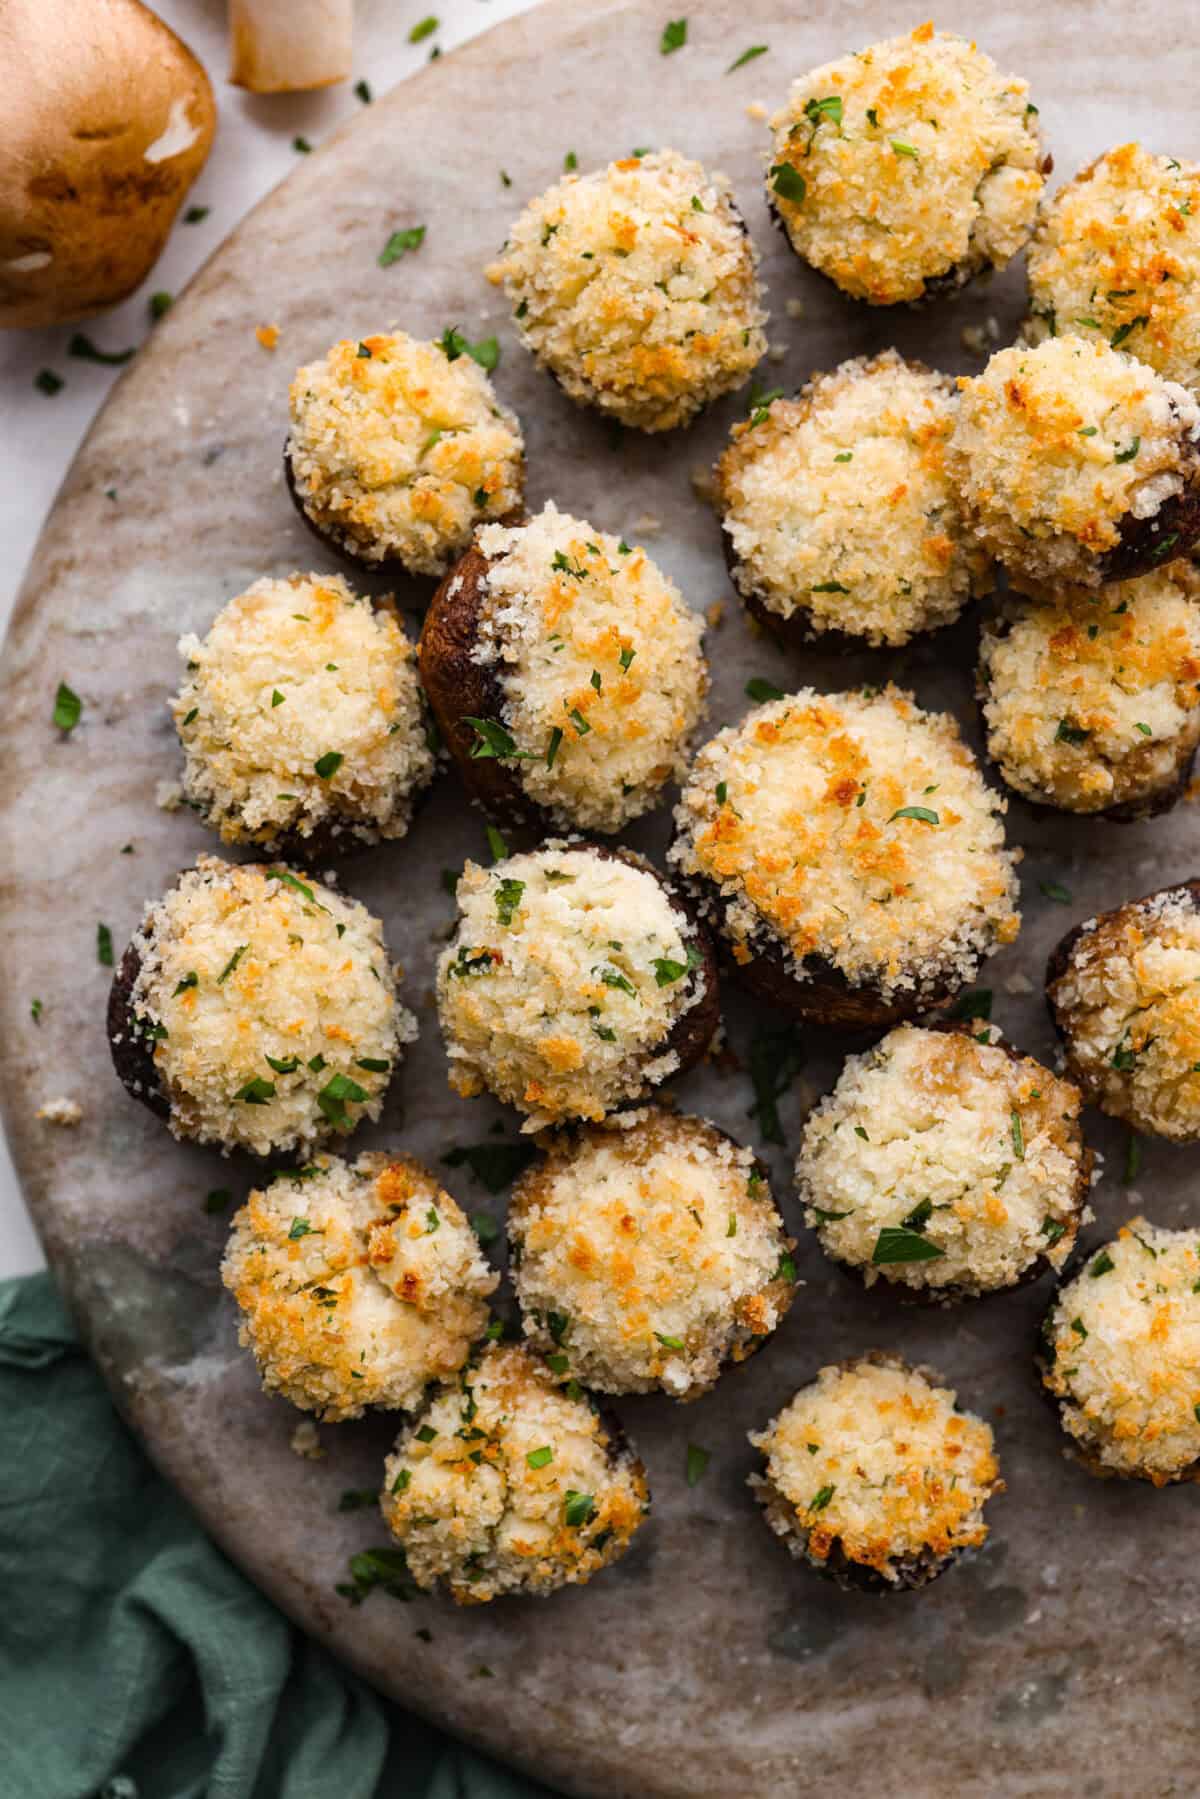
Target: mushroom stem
column 286, row 46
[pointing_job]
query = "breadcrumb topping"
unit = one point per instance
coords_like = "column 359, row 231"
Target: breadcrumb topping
column 939, row 1161
column 300, row 712
column 1116, row 255
column 271, row 1005
column 1094, row 701
column 837, row 504
column 567, row 973
column 600, row 664
column 359, row 1283
column 1126, row 1007
column 636, row 286
column 507, row 1484
column 854, row 828
column 907, row 164
column 399, row 449
column 646, row 1258
column 1124, row 1342
column 1056, row 448
column 876, row 1462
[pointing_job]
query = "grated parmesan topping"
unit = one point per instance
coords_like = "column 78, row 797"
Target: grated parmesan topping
column 1116, row 253
column 947, row 1140
column 566, row 975
column 919, row 161
column 837, row 504
column 1095, row 702
column 476, row 1502
column 792, row 816
column 294, row 673
column 358, row 1283
column 600, row 665
column 1057, row 447
column 1125, row 1341
column 636, row 287
column 648, row 1257
column 241, row 964
column 874, row 1458
column 1126, row 1006
column 401, row 452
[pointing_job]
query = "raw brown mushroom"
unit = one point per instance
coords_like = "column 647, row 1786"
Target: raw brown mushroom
column 109, row 121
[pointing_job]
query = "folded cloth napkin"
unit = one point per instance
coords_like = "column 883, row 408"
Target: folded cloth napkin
column 135, row 1661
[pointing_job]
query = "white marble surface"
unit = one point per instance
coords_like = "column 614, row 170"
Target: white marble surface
column 253, row 151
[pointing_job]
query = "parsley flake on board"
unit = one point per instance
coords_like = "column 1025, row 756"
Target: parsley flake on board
column 1054, row 890
column 424, row 28
column 411, row 238
column 747, row 56
column 68, row 708
column 697, row 1461
column 85, row 350
column 775, row 1058
column 496, row 844
column 104, row 946
column 762, row 691
column 674, row 36
column 48, row 383
column 495, row 1164
column 975, row 1003
column 372, row 1568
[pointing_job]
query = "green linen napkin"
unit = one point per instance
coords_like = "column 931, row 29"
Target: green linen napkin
column 135, row 1661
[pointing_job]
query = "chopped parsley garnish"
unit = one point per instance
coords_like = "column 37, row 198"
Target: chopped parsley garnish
column 35, row 1010
column 1144, row 729
column 426, row 1434
column 67, row 708
column 189, row 716
column 842, row 456
column 1054, row 890
column 570, row 162
column 776, row 1058
column 1133, row 1159
column 785, row 1268
column 667, row 972
column 432, row 1221
column 563, row 564
column 495, row 1164
column 831, row 586
column 820, row 1500
column 354, row 1499
column 85, row 350
column 669, row 1342
column 747, row 56
column 256, row 1092
column 453, row 344
column 921, row 813
column 232, row 963
column 580, row 723
column 829, row 108
column 788, row 183
column 104, row 946
column 1069, row 733
column 485, row 1227
column 578, row 1509
column 1118, row 338
column 493, row 741
column 333, row 1096
column 328, row 764
column 626, row 657
column 47, row 382
column 1017, row 1130
column 552, row 748
column 697, row 1461
column 302, row 145
column 283, row 1064
column 903, row 148
column 287, row 879
column 1124, row 1056
column 382, row 1568
column 195, row 214
column 423, row 28
column 496, row 844
column 674, row 36
column 897, row 1244
column 540, row 1458
column 302, row 1228
column 612, row 977
column 919, row 1217
column 363, row 90
column 1127, row 455
column 761, row 691
column 1052, row 1230
column 372, row 1064
column 508, row 898
column 469, row 962
column 411, row 238
column 1102, row 1265
column 160, row 304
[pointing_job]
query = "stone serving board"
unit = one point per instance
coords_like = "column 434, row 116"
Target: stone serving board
column 706, row 1664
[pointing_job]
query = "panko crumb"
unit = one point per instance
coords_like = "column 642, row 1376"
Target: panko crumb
column 60, row 1111
column 168, row 795
column 305, row 1441
column 267, row 335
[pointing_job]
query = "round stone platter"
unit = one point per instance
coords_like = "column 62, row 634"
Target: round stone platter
column 706, row 1663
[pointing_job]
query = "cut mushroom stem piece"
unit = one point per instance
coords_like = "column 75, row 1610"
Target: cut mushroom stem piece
column 288, row 46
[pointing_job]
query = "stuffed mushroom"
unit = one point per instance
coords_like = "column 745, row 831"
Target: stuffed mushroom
column 565, row 673
column 904, row 170
column 1120, row 1355
column 575, row 983
column 1116, row 255
column 301, row 719
column 1091, row 703
column 1122, row 992
column 256, row 1010
column 507, row 1483
column 838, row 513
column 636, row 286
column 1078, row 465
column 850, row 855
column 946, row 1164
column 646, row 1258
column 398, row 449
column 874, row 1475
column 359, row 1283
